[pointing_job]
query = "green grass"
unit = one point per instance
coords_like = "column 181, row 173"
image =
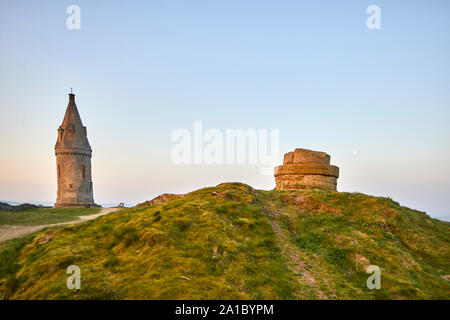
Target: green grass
column 41, row 216
column 234, row 242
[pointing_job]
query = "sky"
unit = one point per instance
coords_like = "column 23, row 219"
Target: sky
column 377, row 101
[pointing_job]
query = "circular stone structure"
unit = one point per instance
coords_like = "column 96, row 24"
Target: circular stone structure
column 306, row 169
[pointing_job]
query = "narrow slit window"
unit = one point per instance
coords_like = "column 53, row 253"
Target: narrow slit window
column 59, row 171
column 84, row 171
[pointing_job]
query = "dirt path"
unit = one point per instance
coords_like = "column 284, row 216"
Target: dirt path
column 11, row 232
column 291, row 252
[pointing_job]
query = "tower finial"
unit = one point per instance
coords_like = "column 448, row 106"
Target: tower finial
column 71, row 91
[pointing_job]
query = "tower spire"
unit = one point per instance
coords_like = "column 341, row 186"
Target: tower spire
column 73, row 160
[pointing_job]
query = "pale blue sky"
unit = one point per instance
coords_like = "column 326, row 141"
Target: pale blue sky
column 141, row 69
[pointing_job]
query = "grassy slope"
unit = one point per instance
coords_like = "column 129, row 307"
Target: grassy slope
column 234, row 242
column 38, row 216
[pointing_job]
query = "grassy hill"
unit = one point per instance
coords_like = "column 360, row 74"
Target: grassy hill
column 234, row 242
column 39, row 216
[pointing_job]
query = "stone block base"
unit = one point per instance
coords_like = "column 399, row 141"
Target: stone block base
column 293, row 182
column 72, row 205
column 306, row 169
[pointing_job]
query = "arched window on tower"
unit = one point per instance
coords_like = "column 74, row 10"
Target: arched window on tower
column 59, row 171
column 84, row 171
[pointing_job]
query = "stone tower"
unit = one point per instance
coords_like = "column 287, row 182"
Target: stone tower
column 73, row 161
column 306, row 169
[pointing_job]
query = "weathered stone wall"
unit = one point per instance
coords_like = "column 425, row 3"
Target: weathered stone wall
column 73, row 187
column 306, row 169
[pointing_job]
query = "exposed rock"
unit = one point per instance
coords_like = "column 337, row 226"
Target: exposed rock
column 47, row 237
column 361, row 262
column 215, row 193
column 306, row 169
column 160, row 199
column 215, row 252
